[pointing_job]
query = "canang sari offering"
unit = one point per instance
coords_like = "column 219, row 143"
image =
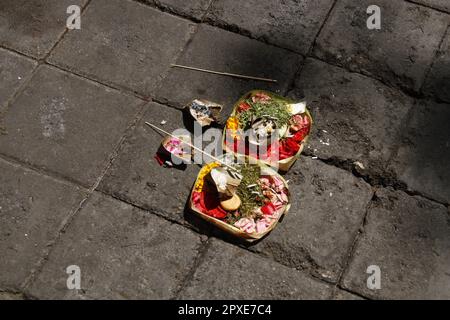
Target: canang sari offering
column 269, row 128
column 246, row 200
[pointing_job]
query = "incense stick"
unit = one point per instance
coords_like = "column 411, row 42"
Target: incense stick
column 192, row 146
column 224, row 73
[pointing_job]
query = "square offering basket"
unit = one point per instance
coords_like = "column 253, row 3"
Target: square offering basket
column 204, row 188
column 233, row 125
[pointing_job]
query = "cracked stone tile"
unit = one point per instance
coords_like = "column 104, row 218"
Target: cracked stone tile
column 14, row 70
column 33, row 208
column 438, row 4
column 423, row 158
column 249, row 276
column 409, row 239
column 290, row 24
column 328, row 208
column 123, row 43
column 219, row 50
column 66, row 124
column 357, row 119
column 190, row 8
column 33, row 26
column 136, row 177
column 400, row 53
column 438, row 81
column 122, row 252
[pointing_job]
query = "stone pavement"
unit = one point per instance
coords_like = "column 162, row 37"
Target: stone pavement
column 79, row 185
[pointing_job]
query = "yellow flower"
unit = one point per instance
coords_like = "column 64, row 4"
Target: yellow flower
column 233, row 127
column 233, row 123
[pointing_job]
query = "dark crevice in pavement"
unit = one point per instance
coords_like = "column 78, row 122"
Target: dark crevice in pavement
column 207, row 10
column 291, row 84
column 4, row 109
column 61, row 37
column 44, row 171
column 314, row 43
column 427, row 6
column 165, row 74
column 155, row 211
column 202, row 250
column 374, row 179
column 155, row 4
column 405, row 90
column 352, row 249
column 351, row 292
column 122, row 90
column 435, row 56
column 15, row 295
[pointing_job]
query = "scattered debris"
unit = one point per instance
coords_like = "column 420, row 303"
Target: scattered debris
column 359, row 164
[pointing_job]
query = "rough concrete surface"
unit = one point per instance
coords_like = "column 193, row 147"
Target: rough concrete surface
column 79, row 185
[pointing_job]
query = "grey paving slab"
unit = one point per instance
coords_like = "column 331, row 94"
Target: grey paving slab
column 33, row 26
column 328, row 208
column 216, row 49
column 400, row 53
column 14, row 70
column 248, row 276
column 438, row 4
column 344, row 295
column 356, row 118
column 124, row 43
column 122, row 253
column 409, row 239
column 290, row 24
column 423, row 158
column 136, row 177
column 10, row 296
column 438, row 80
column 191, row 8
column 32, row 210
column 65, row 124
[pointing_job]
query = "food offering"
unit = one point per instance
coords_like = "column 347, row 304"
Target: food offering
column 205, row 112
column 246, row 200
column 269, row 128
column 175, row 151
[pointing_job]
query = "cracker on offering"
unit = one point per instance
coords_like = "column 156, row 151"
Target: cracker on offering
column 269, row 128
column 246, row 202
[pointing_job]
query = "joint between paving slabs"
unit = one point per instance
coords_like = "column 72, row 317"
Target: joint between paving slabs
column 427, row 6
column 153, row 211
column 61, row 37
column 165, row 74
column 435, row 56
column 16, row 295
column 155, row 4
column 74, row 211
column 199, row 258
column 207, row 10
column 352, row 249
column 291, row 84
column 348, row 165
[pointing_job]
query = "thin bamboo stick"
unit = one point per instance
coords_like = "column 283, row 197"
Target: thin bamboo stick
column 192, row 146
column 224, row 73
